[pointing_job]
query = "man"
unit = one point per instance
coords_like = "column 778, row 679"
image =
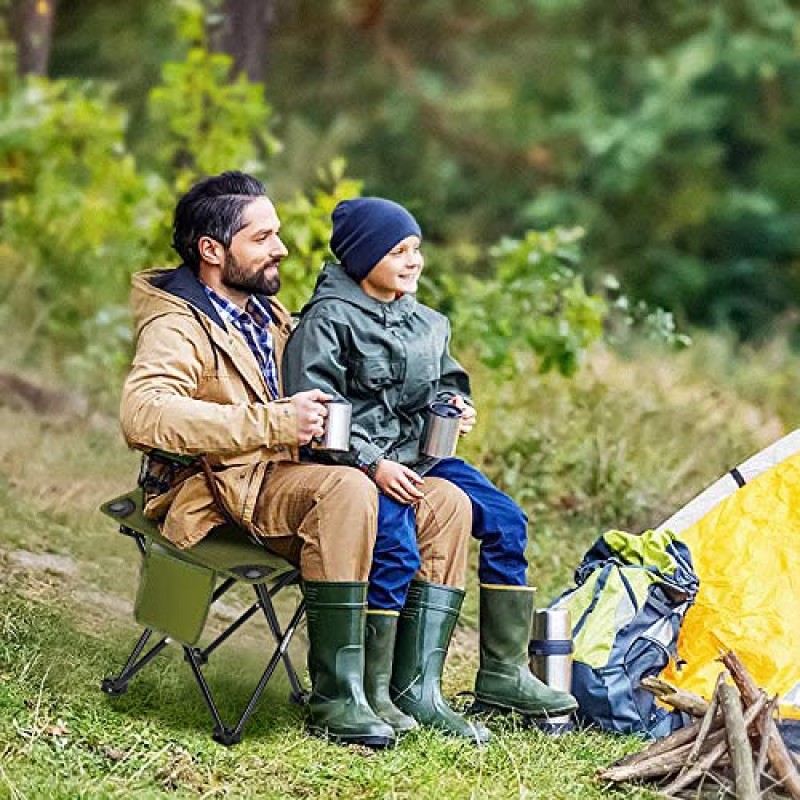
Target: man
column 205, row 382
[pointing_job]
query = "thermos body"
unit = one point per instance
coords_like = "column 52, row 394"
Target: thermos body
column 550, row 654
column 551, row 647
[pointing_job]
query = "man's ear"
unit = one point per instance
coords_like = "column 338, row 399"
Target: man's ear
column 210, row 250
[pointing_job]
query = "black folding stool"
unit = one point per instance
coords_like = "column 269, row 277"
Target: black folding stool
column 177, row 589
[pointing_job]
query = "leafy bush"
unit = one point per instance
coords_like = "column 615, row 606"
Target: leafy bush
column 203, row 123
column 306, row 230
column 532, row 299
column 77, row 212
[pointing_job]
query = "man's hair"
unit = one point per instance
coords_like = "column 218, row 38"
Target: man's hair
column 213, row 207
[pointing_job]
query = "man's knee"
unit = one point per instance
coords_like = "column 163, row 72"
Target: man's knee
column 352, row 488
column 448, row 501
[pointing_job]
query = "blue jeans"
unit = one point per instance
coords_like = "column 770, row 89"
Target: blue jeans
column 497, row 522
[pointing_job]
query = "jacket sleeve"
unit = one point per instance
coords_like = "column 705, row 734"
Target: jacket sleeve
column 161, row 409
column 315, row 359
column 454, row 379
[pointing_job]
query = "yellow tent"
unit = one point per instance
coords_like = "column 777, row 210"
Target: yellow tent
column 744, row 536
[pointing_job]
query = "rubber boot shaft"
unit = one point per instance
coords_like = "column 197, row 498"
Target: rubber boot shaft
column 338, row 706
column 504, row 681
column 424, row 632
column 381, row 632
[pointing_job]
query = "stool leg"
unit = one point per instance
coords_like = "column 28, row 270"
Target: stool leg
column 282, row 639
column 119, row 685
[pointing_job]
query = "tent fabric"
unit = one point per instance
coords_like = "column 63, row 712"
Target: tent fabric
column 746, row 551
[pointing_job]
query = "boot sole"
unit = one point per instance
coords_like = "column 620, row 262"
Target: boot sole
column 482, row 705
column 373, row 742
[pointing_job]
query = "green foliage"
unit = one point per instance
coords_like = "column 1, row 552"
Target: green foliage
column 83, row 208
column 79, row 213
column 306, row 230
column 7, row 50
column 203, row 123
column 76, row 211
column 532, row 301
column 667, row 131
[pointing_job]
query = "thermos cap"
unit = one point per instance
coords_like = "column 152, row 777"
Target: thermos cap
column 552, row 623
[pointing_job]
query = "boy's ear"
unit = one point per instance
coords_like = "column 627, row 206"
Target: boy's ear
column 211, row 250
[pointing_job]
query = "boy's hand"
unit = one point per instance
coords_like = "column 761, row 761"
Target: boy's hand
column 468, row 414
column 398, row 482
column 310, row 410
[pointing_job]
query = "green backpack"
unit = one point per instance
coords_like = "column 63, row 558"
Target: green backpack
column 631, row 596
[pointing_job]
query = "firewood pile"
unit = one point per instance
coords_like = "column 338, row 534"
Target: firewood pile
column 731, row 749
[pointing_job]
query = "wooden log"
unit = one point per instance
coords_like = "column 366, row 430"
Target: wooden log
column 679, row 699
column 741, row 752
column 660, row 764
column 778, row 754
column 687, row 734
column 761, row 759
column 707, row 721
column 689, row 776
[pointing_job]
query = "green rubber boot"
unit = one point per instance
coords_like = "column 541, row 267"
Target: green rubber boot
column 423, row 637
column 505, row 682
column 380, row 639
column 338, row 707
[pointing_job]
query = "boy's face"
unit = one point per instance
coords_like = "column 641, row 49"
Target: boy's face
column 397, row 273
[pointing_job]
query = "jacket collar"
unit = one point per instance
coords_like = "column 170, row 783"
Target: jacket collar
column 184, row 283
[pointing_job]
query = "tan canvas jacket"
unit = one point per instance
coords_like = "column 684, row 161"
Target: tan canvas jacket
column 196, row 388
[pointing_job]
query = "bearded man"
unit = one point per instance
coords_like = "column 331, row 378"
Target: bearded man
column 206, row 382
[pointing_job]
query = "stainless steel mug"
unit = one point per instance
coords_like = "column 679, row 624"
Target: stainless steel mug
column 440, row 433
column 550, row 652
column 337, row 428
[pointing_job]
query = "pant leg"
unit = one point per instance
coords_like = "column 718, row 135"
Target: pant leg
column 395, row 558
column 428, row 540
column 323, row 518
column 498, row 523
column 444, row 522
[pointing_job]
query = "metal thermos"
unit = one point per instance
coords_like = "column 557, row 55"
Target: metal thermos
column 337, row 428
column 440, row 434
column 550, row 652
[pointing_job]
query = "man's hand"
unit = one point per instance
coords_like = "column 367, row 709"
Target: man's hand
column 310, row 410
column 398, row 482
column 468, row 414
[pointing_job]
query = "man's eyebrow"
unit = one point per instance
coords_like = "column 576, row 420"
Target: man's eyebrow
column 266, row 230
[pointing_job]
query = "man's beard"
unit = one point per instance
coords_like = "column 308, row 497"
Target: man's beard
column 235, row 277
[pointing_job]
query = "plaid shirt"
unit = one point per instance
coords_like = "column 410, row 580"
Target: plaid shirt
column 253, row 324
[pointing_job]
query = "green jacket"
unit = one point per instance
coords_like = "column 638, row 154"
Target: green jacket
column 390, row 360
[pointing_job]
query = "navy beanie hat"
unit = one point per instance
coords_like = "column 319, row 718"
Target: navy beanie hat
column 365, row 229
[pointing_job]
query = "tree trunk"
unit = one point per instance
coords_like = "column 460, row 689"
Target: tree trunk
column 243, row 33
column 32, row 30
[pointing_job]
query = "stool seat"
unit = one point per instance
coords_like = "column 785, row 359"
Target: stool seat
column 227, row 549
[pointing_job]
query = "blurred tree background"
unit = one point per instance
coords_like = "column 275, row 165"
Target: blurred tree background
column 647, row 145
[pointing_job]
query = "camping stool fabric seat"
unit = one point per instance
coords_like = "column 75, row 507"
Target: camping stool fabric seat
column 177, row 589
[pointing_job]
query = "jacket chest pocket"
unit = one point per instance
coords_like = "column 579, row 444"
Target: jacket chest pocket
column 424, row 363
column 377, row 373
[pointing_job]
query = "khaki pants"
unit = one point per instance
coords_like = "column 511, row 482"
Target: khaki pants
column 324, row 519
column 444, row 522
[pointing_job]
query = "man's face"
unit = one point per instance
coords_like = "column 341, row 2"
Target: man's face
column 253, row 259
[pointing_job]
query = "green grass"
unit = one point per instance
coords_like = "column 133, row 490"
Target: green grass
column 60, row 737
column 621, row 446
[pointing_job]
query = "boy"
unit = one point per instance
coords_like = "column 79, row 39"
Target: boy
column 365, row 339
